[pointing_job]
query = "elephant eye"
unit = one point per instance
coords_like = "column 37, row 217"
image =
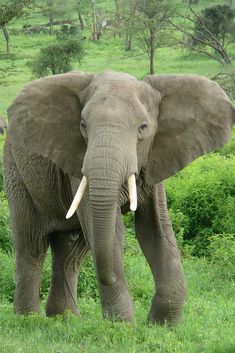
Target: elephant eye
column 142, row 128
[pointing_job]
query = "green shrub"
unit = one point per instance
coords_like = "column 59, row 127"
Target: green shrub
column 87, row 282
column 203, row 194
column 7, row 285
column 222, row 255
column 67, row 31
column 229, row 148
column 180, row 225
column 5, row 231
column 57, row 57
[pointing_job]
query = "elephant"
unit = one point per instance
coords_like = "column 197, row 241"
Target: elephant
column 83, row 149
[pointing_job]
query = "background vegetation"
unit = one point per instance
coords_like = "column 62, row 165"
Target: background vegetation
column 135, row 37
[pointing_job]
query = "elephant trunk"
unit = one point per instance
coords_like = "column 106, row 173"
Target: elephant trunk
column 103, row 204
column 106, row 169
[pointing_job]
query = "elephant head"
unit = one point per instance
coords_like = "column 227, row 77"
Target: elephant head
column 109, row 128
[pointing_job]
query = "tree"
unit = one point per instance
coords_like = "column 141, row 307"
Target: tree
column 90, row 16
column 57, row 58
column 80, row 16
column 129, row 25
column 212, row 32
column 51, row 8
column 218, row 20
column 151, row 22
column 10, row 9
column 95, row 35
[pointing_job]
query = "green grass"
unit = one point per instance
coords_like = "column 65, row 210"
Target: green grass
column 208, row 325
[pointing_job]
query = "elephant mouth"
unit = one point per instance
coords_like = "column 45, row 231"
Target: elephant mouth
column 82, row 188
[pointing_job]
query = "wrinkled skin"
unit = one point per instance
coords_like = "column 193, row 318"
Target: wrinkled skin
column 105, row 127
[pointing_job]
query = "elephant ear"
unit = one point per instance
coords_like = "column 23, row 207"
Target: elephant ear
column 45, row 119
column 195, row 117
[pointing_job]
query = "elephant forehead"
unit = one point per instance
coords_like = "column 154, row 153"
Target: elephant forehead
column 112, row 107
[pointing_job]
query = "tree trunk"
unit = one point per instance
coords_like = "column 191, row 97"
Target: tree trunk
column 50, row 8
column 128, row 45
column 151, row 52
column 51, row 22
column 7, row 39
column 228, row 2
column 80, row 19
column 94, row 21
column 118, row 18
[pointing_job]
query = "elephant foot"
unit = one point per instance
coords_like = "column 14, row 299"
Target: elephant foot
column 164, row 311
column 116, row 302
column 60, row 307
column 26, row 309
column 25, row 304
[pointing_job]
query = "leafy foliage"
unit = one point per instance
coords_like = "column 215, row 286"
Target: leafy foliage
column 204, row 197
column 222, row 254
column 218, row 20
column 67, row 31
column 57, row 57
column 229, row 149
column 5, row 231
column 7, row 285
column 10, row 9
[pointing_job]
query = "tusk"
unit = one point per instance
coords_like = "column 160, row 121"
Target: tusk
column 77, row 197
column 132, row 192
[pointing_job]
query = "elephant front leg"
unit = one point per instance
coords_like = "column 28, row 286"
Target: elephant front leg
column 27, row 280
column 116, row 301
column 156, row 238
column 30, row 244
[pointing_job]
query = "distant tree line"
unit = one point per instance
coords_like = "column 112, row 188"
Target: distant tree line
column 147, row 24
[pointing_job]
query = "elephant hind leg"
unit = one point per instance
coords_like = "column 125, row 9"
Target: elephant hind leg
column 68, row 250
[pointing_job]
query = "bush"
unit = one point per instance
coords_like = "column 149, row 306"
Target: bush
column 5, row 231
column 229, row 148
column 203, row 194
column 222, row 254
column 57, row 58
column 7, row 285
column 87, row 282
column 218, row 19
column 67, row 31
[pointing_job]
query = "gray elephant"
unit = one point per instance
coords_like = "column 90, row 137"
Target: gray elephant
column 104, row 143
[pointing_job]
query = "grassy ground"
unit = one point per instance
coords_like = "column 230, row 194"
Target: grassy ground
column 208, row 325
